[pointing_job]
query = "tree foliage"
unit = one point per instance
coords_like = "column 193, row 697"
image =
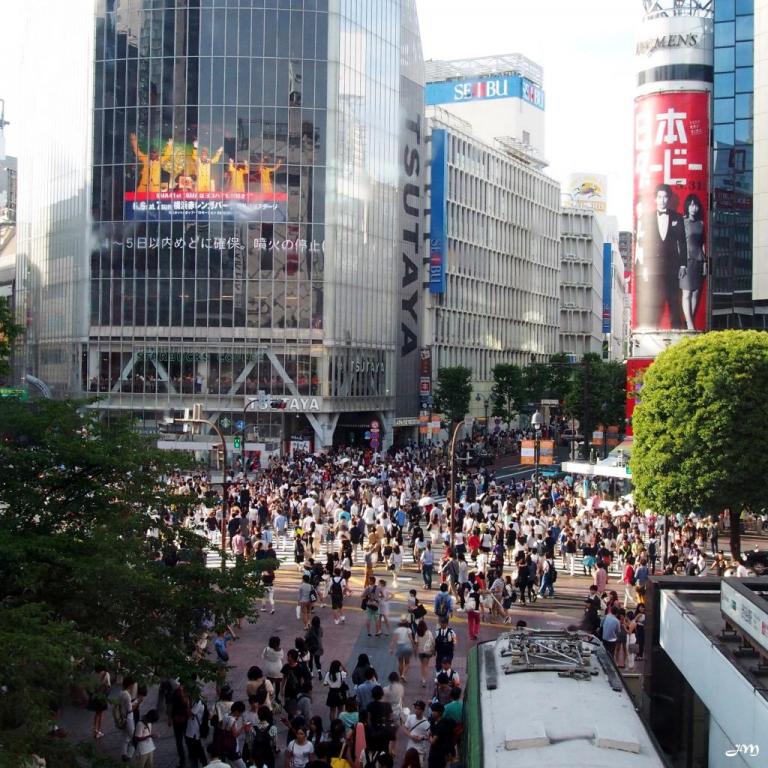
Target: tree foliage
column 700, row 427
column 9, row 332
column 508, row 392
column 95, row 566
column 453, row 390
column 597, row 392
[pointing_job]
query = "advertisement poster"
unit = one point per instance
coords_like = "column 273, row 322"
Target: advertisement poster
column 176, row 180
column 671, row 213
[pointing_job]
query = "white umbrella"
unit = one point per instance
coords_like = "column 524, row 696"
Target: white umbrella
column 425, row 501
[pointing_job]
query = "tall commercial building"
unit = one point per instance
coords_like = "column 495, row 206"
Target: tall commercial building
column 739, row 268
column 229, row 214
column 592, row 286
column 494, row 261
column 671, row 270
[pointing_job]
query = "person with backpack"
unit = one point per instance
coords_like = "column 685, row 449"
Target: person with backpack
column 443, row 603
column 144, row 745
column 548, row 578
column 445, row 643
column 336, row 591
column 261, row 739
column 198, row 728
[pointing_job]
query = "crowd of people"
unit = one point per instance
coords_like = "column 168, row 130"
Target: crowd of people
column 331, row 516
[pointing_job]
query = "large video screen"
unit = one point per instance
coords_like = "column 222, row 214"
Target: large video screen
column 176, row 180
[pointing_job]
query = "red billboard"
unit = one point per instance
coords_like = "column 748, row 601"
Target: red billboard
column 636, row 367
column 671, row 211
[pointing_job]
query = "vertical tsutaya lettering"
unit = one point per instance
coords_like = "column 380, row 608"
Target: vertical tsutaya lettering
column 411, row 161
column 410, row 236
column 411, row 191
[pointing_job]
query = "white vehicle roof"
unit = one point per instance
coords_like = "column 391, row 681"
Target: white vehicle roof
column 553, row 698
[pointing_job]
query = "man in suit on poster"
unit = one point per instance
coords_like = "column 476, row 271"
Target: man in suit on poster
column 660, row 263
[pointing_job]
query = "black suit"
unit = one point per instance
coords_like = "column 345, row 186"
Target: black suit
column 658, row 275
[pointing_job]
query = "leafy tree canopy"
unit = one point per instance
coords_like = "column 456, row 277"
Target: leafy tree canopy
column 700, row 437
column 9, row 332
column 508, row 392
column 453, row 390
column 95, row 566
column 597, row 392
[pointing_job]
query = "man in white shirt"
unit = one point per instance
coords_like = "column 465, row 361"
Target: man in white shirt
column 417, row 729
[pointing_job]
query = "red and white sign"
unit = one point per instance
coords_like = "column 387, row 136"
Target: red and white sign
column 671, row 211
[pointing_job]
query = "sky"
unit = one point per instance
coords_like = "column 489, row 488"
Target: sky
column 585, row 46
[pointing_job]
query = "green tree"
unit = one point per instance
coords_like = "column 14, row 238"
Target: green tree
column 597, row 393
column 559, row 377
column 9, row 333
column 535, row 382
column 452, row 392
column 700, row 438
column 508, row 392
column 95, row 566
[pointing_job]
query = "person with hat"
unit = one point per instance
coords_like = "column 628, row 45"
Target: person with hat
column 416, row 728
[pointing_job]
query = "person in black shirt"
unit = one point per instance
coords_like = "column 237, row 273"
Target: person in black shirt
column 441, row 737
column 379, row 732
column 295, row 675
column 592, row 610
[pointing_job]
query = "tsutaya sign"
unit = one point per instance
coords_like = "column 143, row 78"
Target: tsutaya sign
column 297, row 404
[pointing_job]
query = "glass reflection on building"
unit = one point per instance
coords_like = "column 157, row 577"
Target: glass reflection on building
column 244, row 198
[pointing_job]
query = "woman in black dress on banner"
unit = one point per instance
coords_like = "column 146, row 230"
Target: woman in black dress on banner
column 696, row 268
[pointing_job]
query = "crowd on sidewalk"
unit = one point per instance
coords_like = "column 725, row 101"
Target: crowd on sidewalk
column 502, row 545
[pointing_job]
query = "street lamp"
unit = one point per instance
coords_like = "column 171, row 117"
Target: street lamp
column 479, row 398
column 465, row 422
column 197, row 419
column 537, row 420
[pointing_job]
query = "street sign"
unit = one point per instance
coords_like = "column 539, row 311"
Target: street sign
column 226, row 422
column 367, row 435
column 240, row 424
column 14, row 392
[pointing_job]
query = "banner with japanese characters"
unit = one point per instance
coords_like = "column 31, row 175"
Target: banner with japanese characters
column 671, row 211
column 173, row 180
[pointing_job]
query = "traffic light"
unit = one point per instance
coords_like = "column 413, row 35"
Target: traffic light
column 237, row 443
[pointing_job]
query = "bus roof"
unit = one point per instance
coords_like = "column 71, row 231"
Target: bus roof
column 554, row 698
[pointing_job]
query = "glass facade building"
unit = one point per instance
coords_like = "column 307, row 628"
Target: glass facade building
column 733, row 168
column 244, row 231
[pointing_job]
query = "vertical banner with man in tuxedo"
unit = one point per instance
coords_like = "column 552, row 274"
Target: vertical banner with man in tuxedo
column 671, row 211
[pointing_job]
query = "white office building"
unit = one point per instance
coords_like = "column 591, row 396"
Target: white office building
column 494, row 259
column 592, row 286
